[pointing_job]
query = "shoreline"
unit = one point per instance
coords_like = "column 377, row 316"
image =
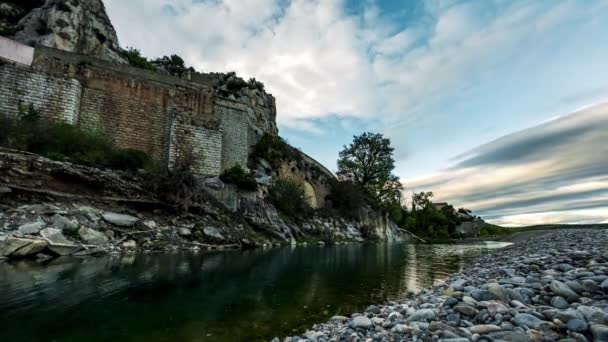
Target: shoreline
column 544, row 287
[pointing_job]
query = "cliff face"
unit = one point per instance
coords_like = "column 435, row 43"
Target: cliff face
column 80, row 26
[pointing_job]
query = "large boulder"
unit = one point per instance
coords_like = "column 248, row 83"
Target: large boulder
column 31, row 228
column 14, row 247
column 213, row 232
column 80, row 26
column 120, row 220
column 58, row 243
column 64, row 223
column 92, row 236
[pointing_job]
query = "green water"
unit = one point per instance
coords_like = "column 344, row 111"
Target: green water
column 230, row 296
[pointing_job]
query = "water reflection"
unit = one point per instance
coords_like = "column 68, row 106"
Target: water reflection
column 232, row 296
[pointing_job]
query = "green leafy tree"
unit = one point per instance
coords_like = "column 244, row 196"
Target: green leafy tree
column 368, row 162
column 174, row 64
column 421, row 200
column 136, row 59
column 290, row 198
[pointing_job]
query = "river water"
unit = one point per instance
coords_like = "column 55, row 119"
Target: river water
column 228, row 296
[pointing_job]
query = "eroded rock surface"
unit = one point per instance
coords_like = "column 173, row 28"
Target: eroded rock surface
column 80, row 26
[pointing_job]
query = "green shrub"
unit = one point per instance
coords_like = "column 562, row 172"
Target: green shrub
column 346, row 198
column 136, row 59
column 243, row 180
column 274, row 149
column 179, row 185
column 129, row 159
column 290, row 198
column 253, row 83
column 174, row 64
column 65, row 142
column 493, row 230
column 235, row 85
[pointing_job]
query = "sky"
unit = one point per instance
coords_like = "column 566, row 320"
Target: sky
column 494, row 105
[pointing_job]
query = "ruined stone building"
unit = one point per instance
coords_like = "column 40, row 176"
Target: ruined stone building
column 158, row 114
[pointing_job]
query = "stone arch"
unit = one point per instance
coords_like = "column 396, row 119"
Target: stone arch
column 311, row 195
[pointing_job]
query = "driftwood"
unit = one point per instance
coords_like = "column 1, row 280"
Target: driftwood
column 412, row 235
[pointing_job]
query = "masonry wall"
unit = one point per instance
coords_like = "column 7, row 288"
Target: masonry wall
column 55, row 98
column 158, row 114
column 205, row 145
column 131, row 112
column 235, row 138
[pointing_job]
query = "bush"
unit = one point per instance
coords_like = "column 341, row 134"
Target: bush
column 346, row 198
column 129, row 159
column 493, row 230
column 65, row 142
column 274, row 149
column 135, row 59
column 255, row 84
column 174, row 64
column 290, row 198
column 243, row 180
column 235, row 85
column 178, row 186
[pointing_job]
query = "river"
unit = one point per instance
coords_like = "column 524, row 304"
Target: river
column 228, row 296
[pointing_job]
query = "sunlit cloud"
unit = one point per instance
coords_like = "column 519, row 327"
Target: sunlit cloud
column 556, row 172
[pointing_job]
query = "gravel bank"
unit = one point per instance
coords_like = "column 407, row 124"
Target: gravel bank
column 549, row 288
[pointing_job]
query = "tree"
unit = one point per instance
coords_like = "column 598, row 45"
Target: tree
column 421, row 200
column 368, row 162
column 174, row 64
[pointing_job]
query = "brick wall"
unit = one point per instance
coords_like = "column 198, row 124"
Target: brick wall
column 204, row 144
column 139, row 109
column 56, row 98
column 132, row 113
column 235, row 138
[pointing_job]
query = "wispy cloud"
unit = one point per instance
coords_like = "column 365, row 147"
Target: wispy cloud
column 321, row 60
column 556, row 171
column 436, row 76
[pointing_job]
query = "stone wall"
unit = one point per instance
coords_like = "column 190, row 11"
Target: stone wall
column 235, row 126
column 204, row 144
column 131, row 122
column 137, row 108
column 56, row 98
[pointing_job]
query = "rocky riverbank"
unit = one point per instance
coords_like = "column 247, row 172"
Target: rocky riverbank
column 550, row 288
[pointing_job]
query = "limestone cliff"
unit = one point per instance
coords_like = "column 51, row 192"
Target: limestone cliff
column 80, row 26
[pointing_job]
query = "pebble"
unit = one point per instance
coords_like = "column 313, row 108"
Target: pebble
column 362, row 322
column 577, row 325
column 559, row 302
column 550, row 288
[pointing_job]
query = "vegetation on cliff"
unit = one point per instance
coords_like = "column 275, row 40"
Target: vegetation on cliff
column 61, row 141
column 238, row 176
column 173, row 64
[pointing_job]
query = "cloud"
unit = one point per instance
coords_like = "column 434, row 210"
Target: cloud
column 558, row 167
column 438, row 77
column 321, row 60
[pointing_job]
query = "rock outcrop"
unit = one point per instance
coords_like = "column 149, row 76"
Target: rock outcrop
column 80, row 26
